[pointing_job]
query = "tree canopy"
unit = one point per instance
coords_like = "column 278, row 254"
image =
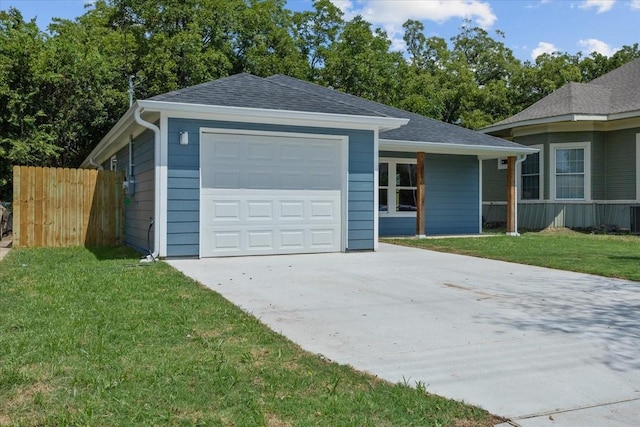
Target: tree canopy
column 62, row 89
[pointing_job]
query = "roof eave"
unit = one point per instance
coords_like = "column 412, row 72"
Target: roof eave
column 382, row 123
column 482, row 151
column 114, row 133
column 544, row 121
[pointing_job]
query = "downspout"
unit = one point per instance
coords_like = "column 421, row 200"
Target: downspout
column 156, row 230
column 521, row 158
column 95, row 165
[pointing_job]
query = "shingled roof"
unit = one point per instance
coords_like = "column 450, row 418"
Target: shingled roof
column 281, row 92
column 616, row 92
column 419, row 128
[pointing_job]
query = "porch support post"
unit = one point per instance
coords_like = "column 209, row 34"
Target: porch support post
column 420, row 194
column 511, row 195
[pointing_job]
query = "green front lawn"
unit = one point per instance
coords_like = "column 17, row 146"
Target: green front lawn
column 93, row 338
column 604, row 255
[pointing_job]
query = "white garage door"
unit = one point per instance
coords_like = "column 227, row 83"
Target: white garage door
column 269, row 194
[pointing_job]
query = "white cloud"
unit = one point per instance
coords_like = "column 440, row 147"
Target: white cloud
column 601, row 5
column 595, row 45
column 391, row 14
column 543, row 47
column 635, row 4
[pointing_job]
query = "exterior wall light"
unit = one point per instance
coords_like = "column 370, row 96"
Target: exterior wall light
column 184, row 138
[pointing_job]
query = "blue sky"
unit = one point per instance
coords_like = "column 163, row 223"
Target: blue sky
column 530, row 26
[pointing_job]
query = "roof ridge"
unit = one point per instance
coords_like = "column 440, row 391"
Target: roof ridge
column 321, row 95
column 199, row 86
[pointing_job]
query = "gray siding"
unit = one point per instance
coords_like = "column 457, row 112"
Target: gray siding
column 184, row 182
column 620, row 165
column 494, row 181
column 139, row 205
column 537, row 216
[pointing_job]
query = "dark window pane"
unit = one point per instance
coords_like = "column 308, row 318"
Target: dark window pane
column 405, row 175
column 530, row 187
column 383, row 203
column 531, row 165
column 570, row 187
column 383, row 176
column 406, row 200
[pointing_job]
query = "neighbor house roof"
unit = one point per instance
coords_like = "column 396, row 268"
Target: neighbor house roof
column 608, row 97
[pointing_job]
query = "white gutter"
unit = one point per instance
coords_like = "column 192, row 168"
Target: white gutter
column 482, row 151
column 519, row 160
column 269, row 116
column 156, row 177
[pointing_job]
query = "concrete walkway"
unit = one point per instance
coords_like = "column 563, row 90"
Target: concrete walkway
column 538, row 346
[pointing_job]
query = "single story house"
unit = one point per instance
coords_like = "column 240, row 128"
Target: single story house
column 587, row 172
column 249, row 165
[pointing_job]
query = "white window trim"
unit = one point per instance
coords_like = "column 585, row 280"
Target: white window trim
column 391, row 188
column 541, row 177
column 587, row 168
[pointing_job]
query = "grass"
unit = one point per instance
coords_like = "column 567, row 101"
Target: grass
column 604, row 255
column 89, row 337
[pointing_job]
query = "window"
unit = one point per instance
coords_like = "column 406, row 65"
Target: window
column 397, row 186
column 570, row 164
column 531, row 183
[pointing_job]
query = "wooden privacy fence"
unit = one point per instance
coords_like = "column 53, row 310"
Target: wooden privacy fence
column 56, row 207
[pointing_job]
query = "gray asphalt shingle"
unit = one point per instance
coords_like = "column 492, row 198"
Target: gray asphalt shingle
column 281, row 92
column 615, row 92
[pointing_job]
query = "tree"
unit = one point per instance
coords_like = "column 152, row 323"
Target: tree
column 314, row 34
column 360, row 63
column 25, row 129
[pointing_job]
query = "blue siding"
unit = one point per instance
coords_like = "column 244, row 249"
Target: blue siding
column 451, row 197
column 184, row 182
column 140, row 201
column 394, row 226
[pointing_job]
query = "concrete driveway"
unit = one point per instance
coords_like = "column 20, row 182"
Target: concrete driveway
column 541, row 347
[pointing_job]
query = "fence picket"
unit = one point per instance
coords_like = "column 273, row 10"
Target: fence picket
column 58, row 207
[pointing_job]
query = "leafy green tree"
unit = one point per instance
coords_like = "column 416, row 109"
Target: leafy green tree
column 360, row 63
column 263, row 42
column 26, row 136
column 315, row 32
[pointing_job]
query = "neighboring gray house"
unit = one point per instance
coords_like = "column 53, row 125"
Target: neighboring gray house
column 586, row 173
column 247, row 165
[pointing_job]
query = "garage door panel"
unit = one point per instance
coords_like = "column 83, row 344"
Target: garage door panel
column 323, row 210
column 269, row 195
column 292, row 239
column 260, row 179
column 260, row 240
column 259, row 210
column 227, row 240
column 291, row 210
column 291, row 180
column 226, row 210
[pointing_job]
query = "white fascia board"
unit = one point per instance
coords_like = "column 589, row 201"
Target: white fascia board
column 626, row 115
column 482, row 151
column 287, row 117
column 546, row 120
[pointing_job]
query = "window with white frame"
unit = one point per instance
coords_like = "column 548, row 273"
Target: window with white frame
column 531, row 178
column 397, row 187
column 571, row 171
